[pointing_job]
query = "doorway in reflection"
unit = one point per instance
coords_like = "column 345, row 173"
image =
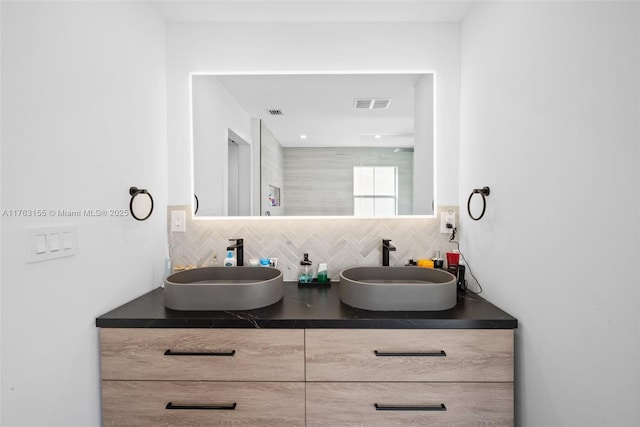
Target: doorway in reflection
column 239, row 174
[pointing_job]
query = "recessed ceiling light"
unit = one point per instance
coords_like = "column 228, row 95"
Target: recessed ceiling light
column 303, row 136
column 377, row 136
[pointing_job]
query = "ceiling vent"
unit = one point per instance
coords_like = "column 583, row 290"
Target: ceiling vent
column 275, row 112
column 371, row 104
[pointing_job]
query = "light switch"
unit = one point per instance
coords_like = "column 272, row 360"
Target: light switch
column 41, row 243
column 67, row 240
column 54, row 242
column 47, row 243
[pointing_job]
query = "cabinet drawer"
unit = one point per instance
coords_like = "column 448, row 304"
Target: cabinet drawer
column 409, row 404
column 176, row 403
column 409, row 355
column 202, row 354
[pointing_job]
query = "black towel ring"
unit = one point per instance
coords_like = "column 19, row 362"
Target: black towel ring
column 141, row 203
column 484, row 191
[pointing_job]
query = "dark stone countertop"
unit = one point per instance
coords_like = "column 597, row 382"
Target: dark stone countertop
column 307, row 308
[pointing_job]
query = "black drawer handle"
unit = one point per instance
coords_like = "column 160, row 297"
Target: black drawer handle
column 440, row 353
column 231, row 407
column 440, row 407
column 183, row 353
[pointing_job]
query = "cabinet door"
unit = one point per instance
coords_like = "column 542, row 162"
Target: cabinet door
column 195, row 403
column 409, row 355
column 409, row 404
column 202, row 354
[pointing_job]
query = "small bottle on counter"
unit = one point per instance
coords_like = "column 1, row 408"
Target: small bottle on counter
column 461, row 282
column 230, row 260
column 437, row 261
column 167, row 267
column 453, row 259
column 305, row 274
column 323, row 275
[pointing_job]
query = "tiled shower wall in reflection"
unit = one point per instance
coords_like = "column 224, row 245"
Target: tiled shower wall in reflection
column 341, row 243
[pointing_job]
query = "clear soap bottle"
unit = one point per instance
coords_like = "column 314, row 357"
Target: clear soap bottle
column 305, row 274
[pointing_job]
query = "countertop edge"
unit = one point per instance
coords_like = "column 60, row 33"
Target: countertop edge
column 311, row 309
column 308, row 324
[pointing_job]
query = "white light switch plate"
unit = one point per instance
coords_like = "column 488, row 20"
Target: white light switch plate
column 47, row 243
column 179, row 221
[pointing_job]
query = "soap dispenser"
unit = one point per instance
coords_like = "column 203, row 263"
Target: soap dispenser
column 305, row 275
column 230, row 260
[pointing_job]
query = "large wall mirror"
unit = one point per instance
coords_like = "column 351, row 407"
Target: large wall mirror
column 348, row 144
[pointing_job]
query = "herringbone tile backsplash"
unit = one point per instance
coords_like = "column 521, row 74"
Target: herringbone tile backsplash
column 341, row 243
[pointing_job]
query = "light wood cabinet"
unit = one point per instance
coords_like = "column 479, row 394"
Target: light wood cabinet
column 202, row 354
column 187, row 377
column 313, row 377
column 409, row 355
column 203, row 403
column 389, row 377
column 409, row 404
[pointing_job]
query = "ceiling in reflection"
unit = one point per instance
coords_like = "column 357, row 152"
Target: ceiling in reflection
column 313, row 10
column 330, row 110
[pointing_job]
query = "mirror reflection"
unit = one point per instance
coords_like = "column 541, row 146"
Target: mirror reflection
column 313, row 144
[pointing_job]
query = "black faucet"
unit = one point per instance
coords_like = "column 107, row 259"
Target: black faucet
column 386, row 248
column 239, row 248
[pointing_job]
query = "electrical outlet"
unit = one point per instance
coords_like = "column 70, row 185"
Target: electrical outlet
column 447, row 221
column 179, row 221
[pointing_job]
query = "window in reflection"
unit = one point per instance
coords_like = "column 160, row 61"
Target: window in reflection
column 375, row 190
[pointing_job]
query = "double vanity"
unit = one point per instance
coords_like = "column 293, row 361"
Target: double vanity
column 310, row 358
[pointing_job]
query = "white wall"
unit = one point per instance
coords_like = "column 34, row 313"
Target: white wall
column 423, row 179
column 1, row 205
column 215, row 111
column 83, row 119
column 228, row 47
column 549, row 120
